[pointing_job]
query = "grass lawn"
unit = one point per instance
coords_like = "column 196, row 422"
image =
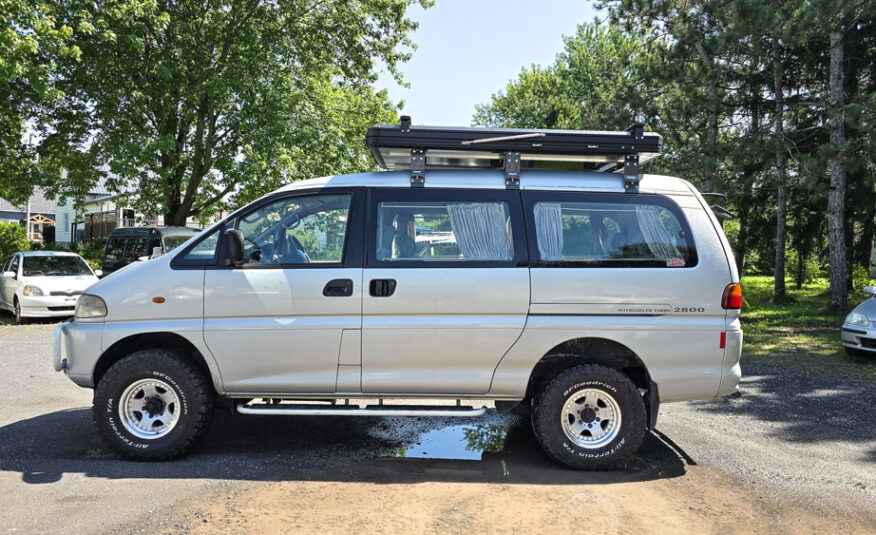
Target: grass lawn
column 801, row 333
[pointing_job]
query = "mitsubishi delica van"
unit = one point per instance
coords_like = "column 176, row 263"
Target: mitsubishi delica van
column 531, row 270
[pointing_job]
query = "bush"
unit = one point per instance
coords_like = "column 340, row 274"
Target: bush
column 13, row 238
column 860, row 278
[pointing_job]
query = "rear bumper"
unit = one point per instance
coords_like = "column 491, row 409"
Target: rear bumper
column 731, row 373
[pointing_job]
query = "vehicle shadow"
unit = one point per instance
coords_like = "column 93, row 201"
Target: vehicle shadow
column 811, row 407
column 45, row 448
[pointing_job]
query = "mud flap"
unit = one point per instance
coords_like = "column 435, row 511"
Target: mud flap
column 652, row 405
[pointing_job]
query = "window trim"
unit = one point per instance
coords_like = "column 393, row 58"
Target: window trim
column 352, row 240
column 512, row 198
column 531, row 198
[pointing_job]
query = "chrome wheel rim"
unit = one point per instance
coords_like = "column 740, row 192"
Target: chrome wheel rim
column 591, row 418
column 149, row 408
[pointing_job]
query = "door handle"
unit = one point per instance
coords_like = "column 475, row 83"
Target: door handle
column 338, row 288
column 382, row 287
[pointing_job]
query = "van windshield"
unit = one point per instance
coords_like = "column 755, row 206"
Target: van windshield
column 34, row 266
column 172, row 242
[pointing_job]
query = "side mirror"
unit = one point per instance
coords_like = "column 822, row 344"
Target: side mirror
column 233, row 247
column 870, row 290
column 8, row 274
column 98, row 272
column 157, row 251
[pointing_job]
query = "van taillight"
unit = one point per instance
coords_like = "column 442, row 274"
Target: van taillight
column 732, row 298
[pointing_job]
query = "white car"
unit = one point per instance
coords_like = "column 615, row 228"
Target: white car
column 44, row 284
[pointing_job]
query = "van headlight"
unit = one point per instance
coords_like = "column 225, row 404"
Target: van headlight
column 856, row 318
column 32, row 291
column 90, row 306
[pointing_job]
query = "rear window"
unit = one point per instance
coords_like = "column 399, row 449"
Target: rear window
column 612, row 231
column 172, row 242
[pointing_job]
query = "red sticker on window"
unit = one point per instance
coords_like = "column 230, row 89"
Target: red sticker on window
column 675, row 262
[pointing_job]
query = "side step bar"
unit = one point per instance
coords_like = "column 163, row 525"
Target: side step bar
column 370, row 410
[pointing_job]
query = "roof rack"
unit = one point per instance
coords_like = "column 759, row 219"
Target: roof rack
column 417, row 148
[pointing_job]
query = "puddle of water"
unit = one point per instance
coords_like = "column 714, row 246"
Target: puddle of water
column 457, row 442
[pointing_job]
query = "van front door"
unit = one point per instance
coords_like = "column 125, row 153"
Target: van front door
column 446, row 289
column 281, row 322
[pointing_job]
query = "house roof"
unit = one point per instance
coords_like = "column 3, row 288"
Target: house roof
column 39, row 204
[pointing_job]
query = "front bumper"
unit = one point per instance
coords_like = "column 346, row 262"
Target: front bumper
column 47, row 306
column 860, row 338
column 77, row 347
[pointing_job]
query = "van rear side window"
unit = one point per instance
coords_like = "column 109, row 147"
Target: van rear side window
column 444, row 231
column 607, row 231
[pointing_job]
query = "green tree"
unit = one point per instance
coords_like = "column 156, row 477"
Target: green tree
column 195, row 104
column 13, row 238
column 31, row 39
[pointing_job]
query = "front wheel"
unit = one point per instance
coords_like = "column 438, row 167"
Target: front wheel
column 589, row 418
column 152, row 405
column 19, row 320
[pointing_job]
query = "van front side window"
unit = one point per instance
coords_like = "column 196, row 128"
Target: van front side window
column 297, row 230
column 612, row 234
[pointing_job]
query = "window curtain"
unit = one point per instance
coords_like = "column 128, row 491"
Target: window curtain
column 656, row 237
column 549, row 230
column 479, row 229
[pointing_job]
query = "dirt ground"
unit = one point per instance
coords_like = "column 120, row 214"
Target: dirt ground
column 703, row 501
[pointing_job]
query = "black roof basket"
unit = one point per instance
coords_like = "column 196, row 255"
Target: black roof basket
column 417, row 148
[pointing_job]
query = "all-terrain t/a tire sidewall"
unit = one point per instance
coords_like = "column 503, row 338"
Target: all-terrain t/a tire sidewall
column 188, row 384
column 547, row 418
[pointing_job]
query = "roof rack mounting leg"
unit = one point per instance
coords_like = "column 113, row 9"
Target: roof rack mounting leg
column 631, row 173
column 637, row 129
column 512, row 169
column 418, row 168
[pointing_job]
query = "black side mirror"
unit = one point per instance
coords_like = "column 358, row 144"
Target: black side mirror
column 233, row 247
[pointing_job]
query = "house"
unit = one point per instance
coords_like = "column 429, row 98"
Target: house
column 42, row 214
column 99, row 214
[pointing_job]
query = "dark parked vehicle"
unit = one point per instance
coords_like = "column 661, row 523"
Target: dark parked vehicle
column 126, row 245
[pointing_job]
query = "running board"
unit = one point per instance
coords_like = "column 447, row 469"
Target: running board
column 370, row 410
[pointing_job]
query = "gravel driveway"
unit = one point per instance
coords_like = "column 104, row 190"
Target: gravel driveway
column 795, row 450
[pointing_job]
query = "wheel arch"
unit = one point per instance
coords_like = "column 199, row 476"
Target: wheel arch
column 152, row 340
column 600, row 351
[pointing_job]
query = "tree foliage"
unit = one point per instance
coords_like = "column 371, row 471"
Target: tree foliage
column 31, row 41
column 740, row 90
column 13, row 238
column 195, row 104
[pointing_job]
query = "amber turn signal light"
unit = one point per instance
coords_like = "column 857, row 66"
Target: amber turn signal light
column 732, row 298
column 157, row 299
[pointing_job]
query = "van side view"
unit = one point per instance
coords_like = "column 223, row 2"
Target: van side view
column 535, row 269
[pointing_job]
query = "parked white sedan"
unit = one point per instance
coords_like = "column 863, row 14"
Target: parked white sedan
column 44, row 284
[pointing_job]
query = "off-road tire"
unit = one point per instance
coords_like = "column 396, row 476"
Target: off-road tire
column 190, row 385
column 547, row 417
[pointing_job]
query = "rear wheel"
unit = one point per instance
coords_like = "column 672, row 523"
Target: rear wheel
column 589, row 417
column 152, row 405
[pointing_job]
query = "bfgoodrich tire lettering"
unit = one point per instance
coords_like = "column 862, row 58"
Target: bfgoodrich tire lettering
column 180, row 391
column 593, row 438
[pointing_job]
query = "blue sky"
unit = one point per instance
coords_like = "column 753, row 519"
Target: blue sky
column 468, row 50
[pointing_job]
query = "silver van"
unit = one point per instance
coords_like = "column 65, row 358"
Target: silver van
column 537, row 270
